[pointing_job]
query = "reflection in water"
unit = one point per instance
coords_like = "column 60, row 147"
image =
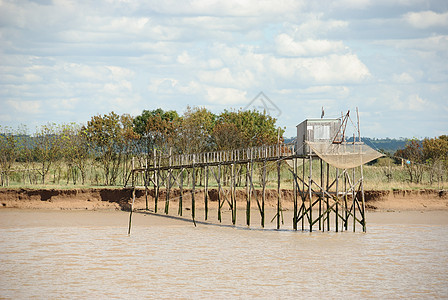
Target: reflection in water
column 180, row 261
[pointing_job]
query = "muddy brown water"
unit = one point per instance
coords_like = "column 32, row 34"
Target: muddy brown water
column 84, row 254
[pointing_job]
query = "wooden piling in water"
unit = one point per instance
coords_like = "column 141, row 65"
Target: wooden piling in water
column 278, row 194
column 206, row 191
column 337, row 201
column 218, row 179
column 321, row 194
column 193, row 191
column 310, row 181
column 181, row 192
column 327, row 198
column 168, row 185
column 232, row 193
column 156, row 176
column 248, row 189
column 263, row 195
column 294, row 188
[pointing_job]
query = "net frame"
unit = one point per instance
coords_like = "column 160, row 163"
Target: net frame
column 344, row 155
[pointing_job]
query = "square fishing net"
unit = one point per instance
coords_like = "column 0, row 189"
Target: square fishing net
column 344, row 155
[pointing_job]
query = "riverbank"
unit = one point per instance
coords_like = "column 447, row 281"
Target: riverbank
column 119, row 199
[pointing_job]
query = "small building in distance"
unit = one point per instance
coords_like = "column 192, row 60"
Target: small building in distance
column 317, row 130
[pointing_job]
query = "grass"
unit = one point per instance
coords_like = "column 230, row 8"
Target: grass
column 375, row 177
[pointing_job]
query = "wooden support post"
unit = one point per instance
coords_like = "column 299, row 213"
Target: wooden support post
column 133, row 198
column 133, row 173
column 232, row 193
column 363, row 202
column 345, row 201
column 132, row 208
column 168, row 185
column 354, row 201
column 156, row 175
column 294, row 187
column 193, row 191
column 181, row 189
column 206, row 189
column 219, row 192
column 322, row 192
column 248, row 190
column 337, row 200
column 146, row 184
column 326, row 197
column 263, row 196
column 278, row 194
column 303, row 196
column 310, row 192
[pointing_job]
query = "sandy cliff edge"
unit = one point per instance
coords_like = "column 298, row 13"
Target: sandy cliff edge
column 119, row 199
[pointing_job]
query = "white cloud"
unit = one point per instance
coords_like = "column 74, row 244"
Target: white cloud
column 247, row 8
column 404, row 78
column 119, row 73
column 337, row 91
column 418, row 104
column 26, row 107
column 163, row 85
column 286, row 45
column 314, row 26
column 426, row 19
column 353, row 4
column 227, row 96
column 322, row 70
column 81, row 58
column 226, row 78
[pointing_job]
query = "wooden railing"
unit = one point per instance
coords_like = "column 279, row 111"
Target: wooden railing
column 267, row 152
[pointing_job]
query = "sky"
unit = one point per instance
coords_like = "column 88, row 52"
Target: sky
column 65, row 61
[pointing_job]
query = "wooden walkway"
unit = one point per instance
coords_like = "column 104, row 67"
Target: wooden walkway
column 321, row 197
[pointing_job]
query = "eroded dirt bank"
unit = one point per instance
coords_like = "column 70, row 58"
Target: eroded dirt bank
column 120, row 199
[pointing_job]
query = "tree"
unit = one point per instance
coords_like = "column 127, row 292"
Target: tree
column 47, row 147
column 129, row 140
column 226, row 136
column 435, row 153
column 194, row 131
column 104, row 135
column 26, row 154
column 9, row 152
column 75, row 151
column 255, row 128
column 413, row 154
column 156, row 128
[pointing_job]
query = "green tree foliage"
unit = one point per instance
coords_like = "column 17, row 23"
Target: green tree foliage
column 156, row 128
column 413, row 154
column 194, row 130
column 9, row 152
column 110, row 140
column 130, row 140
column 47, row 148
column 75, row 151
column 255, row 128
column 227, row 136
column 104, row 133
column 435, row 153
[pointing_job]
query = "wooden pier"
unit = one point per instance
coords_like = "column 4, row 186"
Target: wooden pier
column 325, row 198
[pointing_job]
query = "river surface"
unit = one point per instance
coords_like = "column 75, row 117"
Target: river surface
column 65, row 255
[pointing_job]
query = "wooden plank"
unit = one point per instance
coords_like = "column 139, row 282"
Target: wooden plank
column 278, row 194
column 206, row 192
column 310, row 194
column 294, row 188
column 193, row 191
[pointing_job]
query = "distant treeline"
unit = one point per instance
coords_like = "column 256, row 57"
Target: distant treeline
column 107, row 143
column 110, row 140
